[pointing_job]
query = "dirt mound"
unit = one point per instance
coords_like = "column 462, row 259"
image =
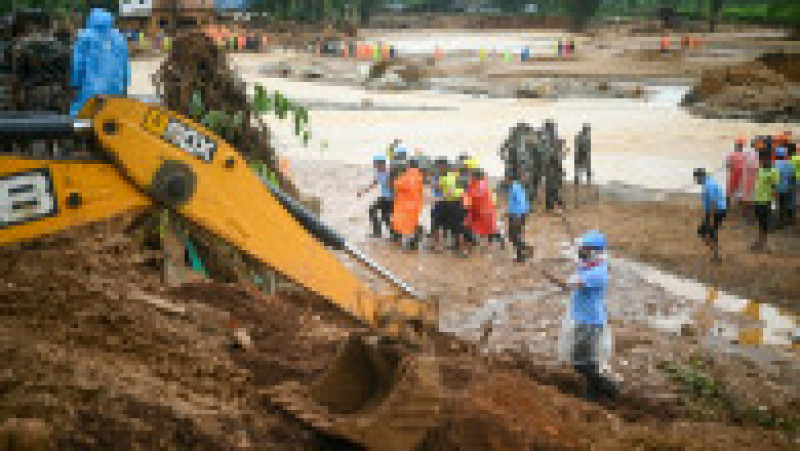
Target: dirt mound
column 97, row 355
column 103, row 369
column 786, row 64
column 752, row 90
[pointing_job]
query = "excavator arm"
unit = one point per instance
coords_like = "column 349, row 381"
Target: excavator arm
column 157, row 156
column 153, row 156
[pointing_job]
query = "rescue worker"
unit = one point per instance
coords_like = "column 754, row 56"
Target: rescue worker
column 766, row 181
column 380, row 211
column 735, row 162
column 554, row 175
column 750, row 175
column 588, row 312
column 481, row 215
column 100, row 64
column 496, row 236
column 516, row 215
column 786, row 185
column 392, row 147
column 583, row 153
column 398, row 166
column 438, row 229
column 408, row 204
column 534, row 170
column 454, row 213
column 714, row 209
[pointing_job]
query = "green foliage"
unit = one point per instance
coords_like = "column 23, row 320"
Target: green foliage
column 225, row 123
column 282, row 107
column 787, row 11
column 580, row 11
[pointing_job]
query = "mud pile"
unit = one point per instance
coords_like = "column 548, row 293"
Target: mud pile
column 749, row 91
column 94, row 348
column 103, row 369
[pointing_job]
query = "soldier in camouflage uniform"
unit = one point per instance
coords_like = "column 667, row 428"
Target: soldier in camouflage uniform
column 554, row 174
column 583, row 153
column 583, row 158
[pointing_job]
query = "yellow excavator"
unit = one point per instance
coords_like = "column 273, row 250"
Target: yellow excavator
column 373, row 393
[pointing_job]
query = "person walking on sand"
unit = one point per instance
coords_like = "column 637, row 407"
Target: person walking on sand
column 380, row 211
column 714, row 209
column 408, row 204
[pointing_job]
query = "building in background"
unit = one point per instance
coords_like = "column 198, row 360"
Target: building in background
column 155, row 16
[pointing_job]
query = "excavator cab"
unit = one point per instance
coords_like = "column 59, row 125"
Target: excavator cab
column 374, row 393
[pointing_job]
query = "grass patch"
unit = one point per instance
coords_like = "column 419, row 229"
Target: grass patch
column 706, row 398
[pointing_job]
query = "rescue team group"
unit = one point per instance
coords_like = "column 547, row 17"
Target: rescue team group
column 762, row 183
column 465, row 207
column 465, row 211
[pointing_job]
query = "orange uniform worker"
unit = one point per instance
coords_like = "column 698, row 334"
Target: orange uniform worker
column 408, row 203
column 481, row 216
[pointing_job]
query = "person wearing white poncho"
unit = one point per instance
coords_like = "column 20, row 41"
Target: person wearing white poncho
column 588, row 314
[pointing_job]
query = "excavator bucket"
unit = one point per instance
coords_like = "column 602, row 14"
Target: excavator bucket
column 370, row 394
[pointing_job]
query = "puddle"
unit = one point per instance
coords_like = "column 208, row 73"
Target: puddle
column 754, row 324
column 711, row 313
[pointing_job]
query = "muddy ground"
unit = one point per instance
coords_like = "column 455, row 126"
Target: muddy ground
column 95, row 347
column 528, row 308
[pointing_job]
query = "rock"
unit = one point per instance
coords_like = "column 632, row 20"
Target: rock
column 241, row 339
column 688, row 330
column 530, row 90
column 25, row 434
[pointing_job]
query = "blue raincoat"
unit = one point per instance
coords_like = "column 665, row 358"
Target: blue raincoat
column 517, row 201
column 100, row 62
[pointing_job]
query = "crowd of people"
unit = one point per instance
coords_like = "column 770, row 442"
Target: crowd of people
column 762, row 185
column 465, row 212
column 465, row 206
column 464, row 209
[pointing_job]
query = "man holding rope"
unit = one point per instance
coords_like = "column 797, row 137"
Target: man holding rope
column 587, row 312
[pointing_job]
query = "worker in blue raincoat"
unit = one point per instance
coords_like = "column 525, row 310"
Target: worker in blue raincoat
column 100, row 64
column 517, row 212
column 587, row 313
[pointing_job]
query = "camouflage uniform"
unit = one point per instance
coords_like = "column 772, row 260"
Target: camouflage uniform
column 583, row 153
column 554, row 174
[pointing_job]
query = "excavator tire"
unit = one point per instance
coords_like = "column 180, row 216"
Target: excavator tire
column 370, row 394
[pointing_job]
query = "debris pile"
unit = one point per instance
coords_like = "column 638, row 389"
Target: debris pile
column 196, row 75
column 748, row 91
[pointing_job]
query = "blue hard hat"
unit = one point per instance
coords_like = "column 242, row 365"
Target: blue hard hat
column 593, row 239
column 401, row 151
column 379, row 159
column 780, row 152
